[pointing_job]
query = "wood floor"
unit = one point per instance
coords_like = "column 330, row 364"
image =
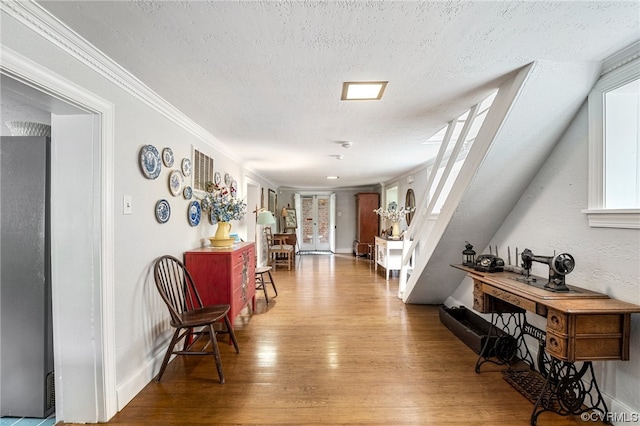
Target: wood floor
column 336, row 347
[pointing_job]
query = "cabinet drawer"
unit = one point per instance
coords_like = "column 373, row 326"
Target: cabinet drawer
column 557, row 346
column 477, row 286
column 236, row 260
column 557, row 321
column 510, row 298
column 478, row 302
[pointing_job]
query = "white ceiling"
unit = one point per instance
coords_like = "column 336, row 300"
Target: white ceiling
column 265, row 77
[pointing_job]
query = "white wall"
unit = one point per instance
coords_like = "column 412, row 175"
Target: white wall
column 548, row 217
column 141, row 321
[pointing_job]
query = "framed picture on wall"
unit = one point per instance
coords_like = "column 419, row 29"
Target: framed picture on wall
column 273, row 201
column 290, row 220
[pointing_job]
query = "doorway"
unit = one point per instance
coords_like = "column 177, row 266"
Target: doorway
column 82, row 238
column 317, row 222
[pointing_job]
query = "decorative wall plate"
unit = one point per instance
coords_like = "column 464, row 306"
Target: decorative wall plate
column 212, row 218
column 163, row 211
column 234, row 188
column 187, row 192
column 186, row 167
column 217, row 178
column 227, row 179
column 150, row 162
column 167, row 157
column 175, row 182
column 194, row 213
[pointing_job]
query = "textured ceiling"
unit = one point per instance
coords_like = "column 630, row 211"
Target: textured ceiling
column 265, row 77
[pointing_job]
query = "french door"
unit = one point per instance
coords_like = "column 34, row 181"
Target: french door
column 317, row 222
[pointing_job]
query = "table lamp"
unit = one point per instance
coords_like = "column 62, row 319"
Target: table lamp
column 265, row 217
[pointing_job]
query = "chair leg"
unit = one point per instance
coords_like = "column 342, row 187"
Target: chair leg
column 188, row 339
column 264, row 287
column 216, row 352
column 167, row 355
column 273, row 283
column 227, row 323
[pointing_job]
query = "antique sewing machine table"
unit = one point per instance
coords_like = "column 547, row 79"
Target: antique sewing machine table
column 581, row 326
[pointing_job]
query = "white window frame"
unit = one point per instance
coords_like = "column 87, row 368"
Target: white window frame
column 598, row 215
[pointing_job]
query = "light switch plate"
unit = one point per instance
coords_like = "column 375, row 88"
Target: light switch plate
column 127, row 205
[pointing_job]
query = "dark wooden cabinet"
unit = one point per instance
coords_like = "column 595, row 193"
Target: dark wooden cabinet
column 224, row 275
column 367, row 222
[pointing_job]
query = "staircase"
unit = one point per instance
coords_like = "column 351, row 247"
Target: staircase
column 529, row 114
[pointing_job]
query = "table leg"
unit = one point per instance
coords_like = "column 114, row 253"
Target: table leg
column 505, row 342
column 567, row 391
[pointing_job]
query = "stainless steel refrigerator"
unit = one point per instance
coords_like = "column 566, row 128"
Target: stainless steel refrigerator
column 26, row 336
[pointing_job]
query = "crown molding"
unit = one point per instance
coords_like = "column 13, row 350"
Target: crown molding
column 621, row 57
column 40, row 21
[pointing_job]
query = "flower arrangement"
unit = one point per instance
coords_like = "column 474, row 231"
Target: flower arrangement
column 393, row 213
column 222, row 204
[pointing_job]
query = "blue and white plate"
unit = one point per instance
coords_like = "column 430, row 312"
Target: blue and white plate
column 234, row 188
column 212, row 219
column 217, row 179
column 187, row 192
column 175, row 183
column 194, row 213
column 163, row 211
column 167, row 157
column 150, row 162
column 186, row 167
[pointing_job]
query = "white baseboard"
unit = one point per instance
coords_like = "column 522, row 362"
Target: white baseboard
column 344, row 250
column 138, row 380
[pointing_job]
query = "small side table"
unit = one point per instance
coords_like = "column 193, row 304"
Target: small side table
column 371, row 252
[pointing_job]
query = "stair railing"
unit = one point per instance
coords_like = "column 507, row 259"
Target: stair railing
column 412, row 258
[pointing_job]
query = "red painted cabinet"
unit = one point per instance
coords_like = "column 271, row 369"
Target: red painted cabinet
column 224, row 275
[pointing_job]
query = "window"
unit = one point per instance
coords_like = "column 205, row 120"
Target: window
column 614, row 149
column 202, row 170
column 621, row 181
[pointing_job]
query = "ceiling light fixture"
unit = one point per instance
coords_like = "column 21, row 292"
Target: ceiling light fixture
column 337, row 156
column 363, row 90
column 346, row 144
column 333, row 177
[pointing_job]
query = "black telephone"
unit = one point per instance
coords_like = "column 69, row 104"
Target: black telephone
column 489, row 263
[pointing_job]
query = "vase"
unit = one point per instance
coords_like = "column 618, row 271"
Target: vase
column 222, row 238
column 222, row 233
column 395, row 230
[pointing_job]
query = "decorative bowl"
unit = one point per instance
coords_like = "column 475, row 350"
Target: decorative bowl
column 221, row 242
column 28, row 128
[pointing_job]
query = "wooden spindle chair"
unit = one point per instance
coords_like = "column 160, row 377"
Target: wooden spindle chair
column 189, row 317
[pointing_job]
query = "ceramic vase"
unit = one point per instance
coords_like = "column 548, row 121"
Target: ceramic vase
column 222, row 233
column 222, row 238
column 395, row 230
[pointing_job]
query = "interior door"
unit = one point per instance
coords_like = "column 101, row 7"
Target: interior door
column 316, row 233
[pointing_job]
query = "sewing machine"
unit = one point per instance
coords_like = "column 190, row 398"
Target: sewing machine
column 560, row 265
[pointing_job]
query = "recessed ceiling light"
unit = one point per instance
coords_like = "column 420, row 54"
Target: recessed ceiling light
column 333, row 177
column 363, row 90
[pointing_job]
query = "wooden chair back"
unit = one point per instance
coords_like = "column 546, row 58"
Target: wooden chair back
column 176, row 287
